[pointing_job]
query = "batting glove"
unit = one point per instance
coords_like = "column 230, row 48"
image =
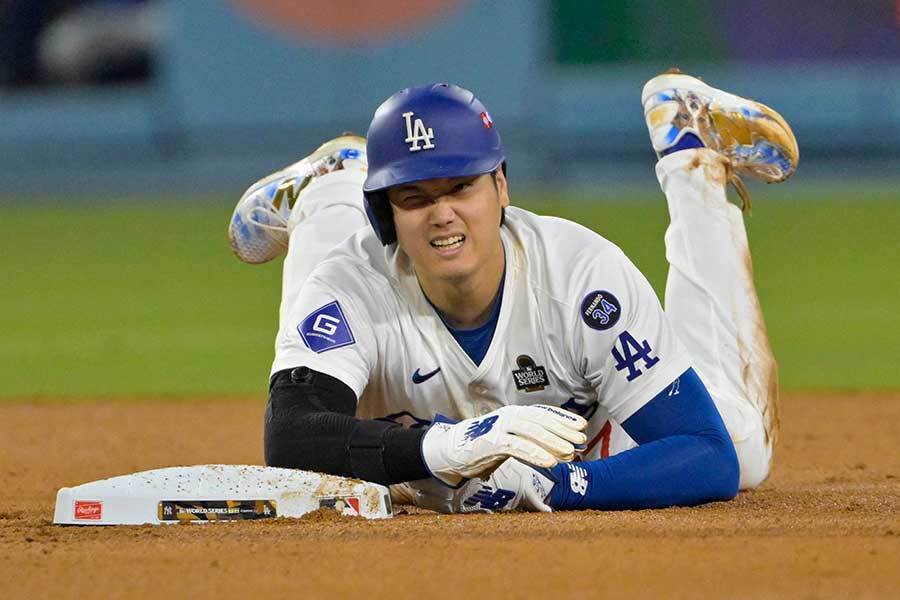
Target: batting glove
column 539, row 435
column 512, row 486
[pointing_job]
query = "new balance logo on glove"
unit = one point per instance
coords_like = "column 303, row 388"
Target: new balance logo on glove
column 475, row 447
column 479, row 428
column 488, row 499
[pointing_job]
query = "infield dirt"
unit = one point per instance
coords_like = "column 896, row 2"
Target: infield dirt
column 826, row 524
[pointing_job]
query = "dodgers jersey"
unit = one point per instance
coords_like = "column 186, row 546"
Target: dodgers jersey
column 579, row 327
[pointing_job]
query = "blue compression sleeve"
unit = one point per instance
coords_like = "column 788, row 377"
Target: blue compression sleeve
column 685, row 457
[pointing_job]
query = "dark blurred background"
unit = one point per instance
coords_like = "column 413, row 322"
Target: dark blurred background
column 111, row 96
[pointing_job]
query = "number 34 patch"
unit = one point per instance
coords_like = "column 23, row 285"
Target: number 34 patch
column 628, row 351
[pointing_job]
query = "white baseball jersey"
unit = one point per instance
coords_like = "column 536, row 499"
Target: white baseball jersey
column 579, row 327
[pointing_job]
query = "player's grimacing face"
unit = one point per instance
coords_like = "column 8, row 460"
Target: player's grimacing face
column 450, row 227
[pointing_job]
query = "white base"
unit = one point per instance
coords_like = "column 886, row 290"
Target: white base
column 206, row 493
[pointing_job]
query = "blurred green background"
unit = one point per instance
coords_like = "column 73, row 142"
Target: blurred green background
column 125, row 148
column 130, row 301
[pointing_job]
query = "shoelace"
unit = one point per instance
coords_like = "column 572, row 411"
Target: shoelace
column 271, row 214
column 741, row 188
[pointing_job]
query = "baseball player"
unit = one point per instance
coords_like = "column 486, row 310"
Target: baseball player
column 479, row 357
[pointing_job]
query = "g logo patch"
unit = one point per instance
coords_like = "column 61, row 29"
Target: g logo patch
column 326, row 329
column 600, row 310
column 326, row 324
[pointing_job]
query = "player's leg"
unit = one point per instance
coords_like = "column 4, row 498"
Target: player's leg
column 712, row 303
column 329, row 210
column 710, row 294
column 302, row 212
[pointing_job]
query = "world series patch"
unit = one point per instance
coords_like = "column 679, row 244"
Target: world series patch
column 600, row 310
column 529, row 377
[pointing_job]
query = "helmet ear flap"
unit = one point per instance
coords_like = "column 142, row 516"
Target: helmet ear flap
column 378, row 209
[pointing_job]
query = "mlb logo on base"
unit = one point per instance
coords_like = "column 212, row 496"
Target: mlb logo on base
column 88, row 510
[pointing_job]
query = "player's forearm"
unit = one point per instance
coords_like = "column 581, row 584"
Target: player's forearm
column 307, row 426
column 340, row 445
column 682, row 470
column 685, row 457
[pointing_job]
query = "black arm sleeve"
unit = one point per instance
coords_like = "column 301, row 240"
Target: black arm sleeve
column 310, row 425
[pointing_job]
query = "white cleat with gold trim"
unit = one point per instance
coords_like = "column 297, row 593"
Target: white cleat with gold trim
column 258, row 230
column 755, row 139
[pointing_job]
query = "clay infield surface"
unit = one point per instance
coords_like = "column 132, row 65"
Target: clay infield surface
column 826, row 524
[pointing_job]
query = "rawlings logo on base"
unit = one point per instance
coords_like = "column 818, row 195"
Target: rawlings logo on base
column 88, row 510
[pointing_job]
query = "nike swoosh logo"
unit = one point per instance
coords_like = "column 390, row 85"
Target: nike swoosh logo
column 419, row 378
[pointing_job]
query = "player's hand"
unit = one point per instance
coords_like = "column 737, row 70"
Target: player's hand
column 539, row 435
column 512, row 486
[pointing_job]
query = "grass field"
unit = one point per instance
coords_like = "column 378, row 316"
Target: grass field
column 144, row 299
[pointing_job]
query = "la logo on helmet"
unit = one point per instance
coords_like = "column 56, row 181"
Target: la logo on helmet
column 416, row 132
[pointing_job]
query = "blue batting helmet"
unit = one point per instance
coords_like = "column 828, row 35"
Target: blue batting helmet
column 426, row 132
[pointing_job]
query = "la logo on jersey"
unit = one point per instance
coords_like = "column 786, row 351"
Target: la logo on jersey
column 416, row 132
column 631, row 352
column 326, row 329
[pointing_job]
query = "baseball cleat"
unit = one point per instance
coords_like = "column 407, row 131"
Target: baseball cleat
column 258, row 230
column 755, row 139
